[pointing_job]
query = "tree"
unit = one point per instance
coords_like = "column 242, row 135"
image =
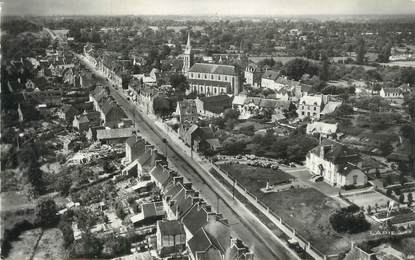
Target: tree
column 324, row 69
column 386, row 148
column 296, row 68
column 361, row 51
column 46, row 213
column 63, row 184
column 67, row 233
column 179, row 82
column 410, row 199
column 85, row 219
column 387, row 181
column 350, row 220
column 119, row 210
column 116, row 246
column 233, row 146
column 162, row 106
column 401, row 198
column 385, row 53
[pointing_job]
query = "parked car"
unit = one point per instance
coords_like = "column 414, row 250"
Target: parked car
column 317, row 178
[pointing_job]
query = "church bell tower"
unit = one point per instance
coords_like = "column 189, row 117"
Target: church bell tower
column 187, row 57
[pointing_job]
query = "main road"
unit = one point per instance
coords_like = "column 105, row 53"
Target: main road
column 243, row 224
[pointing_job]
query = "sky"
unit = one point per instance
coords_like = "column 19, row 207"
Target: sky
column 208, row 7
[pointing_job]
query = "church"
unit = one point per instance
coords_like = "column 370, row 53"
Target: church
column 209, row 79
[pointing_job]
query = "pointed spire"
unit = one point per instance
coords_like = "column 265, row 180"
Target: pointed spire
column 188, row 40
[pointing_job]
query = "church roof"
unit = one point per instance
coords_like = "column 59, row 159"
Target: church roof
column 213, row 68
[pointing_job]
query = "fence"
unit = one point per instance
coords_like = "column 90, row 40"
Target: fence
column 251, row 199
column 275, row 218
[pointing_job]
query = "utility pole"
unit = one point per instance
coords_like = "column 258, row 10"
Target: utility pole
column 217, row 203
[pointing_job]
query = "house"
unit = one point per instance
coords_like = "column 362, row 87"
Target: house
column 186, row 111
column 85, row 120
column 134, row 148
column 253, row 106
column 280, row 109
column 253, row 75
column 199, row 138
column 171, row 237
column 282, row 94
column 91, row 135
column 111, row 114
column 67, row 112
column 310, row 106
column 324, row 129
column 161, row 175
column 269, row 80
column 111, row 136
column 150, row 211
column 213, row 106
column 339, row 165
column 238, row 251
column 391, row 93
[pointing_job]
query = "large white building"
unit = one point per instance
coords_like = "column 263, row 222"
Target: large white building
column 339, row 165
column 310, row 106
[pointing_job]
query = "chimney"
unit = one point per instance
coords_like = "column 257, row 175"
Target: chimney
column 196, row 193
column 201, row 204
column 173, row 174
column 322, row 151
column 208, row 208
column 148, row 147
column 177, row 180
column 187, row 185
column 188, row 193
column 195, row 200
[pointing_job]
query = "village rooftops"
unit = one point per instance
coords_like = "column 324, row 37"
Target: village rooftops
column 392, row 90
column 209, row 82
column 213, row 69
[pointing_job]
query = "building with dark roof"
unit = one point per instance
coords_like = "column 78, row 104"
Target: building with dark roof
column 253, row 75
column 213, row 105
column 134, row 148
column 339, row 165
column 171, row 237
column 186, row 111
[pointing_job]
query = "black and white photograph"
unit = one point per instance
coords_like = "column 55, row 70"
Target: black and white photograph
column 207, row 129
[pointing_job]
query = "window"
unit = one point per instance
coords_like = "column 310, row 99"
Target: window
column 302, row 107
column 198, row 75
column 354, row 179
column 302, row 113
column 226, row 78
column 214, row 90
column 205, row 76
column 211, row 76
column 315, row 108
column 308, row 113
column 219, row 77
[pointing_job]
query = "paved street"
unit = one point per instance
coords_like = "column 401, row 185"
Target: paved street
column 243, row 223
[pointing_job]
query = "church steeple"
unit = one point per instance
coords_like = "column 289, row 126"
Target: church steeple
column 188, row 56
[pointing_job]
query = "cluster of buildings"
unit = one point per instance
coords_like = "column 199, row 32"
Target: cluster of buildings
column 187, row 226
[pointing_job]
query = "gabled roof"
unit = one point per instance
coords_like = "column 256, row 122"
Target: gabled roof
column 330, row 107
column 239, row 100
column 213, row 68
column 255, row 100
column 114, row 133
column 195, row 218
column 337, row 153
column 312, row 100
column 170, row 227
column 216, row 104
column 271, row 75
column 200, row 242
column 160, row 175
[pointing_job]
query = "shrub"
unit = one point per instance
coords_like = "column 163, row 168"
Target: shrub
column 350, row 220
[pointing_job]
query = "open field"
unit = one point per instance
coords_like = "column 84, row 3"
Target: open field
column 255, row 178
column 48, row 245
column 306, row 210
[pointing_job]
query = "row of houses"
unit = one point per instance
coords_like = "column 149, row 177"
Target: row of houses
column 188, row 225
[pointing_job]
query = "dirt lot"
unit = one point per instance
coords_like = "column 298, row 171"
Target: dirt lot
column 49, row 246
column 306, row 210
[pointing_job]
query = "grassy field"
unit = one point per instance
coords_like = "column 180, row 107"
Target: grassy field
column 306, row 210
column 50, row 245
column 255, row 178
